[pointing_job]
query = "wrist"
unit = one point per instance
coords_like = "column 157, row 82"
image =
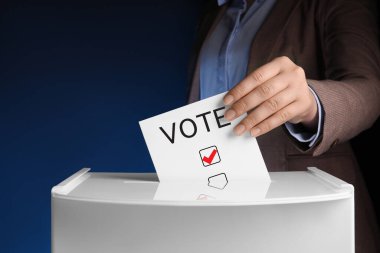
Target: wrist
column 310, row 121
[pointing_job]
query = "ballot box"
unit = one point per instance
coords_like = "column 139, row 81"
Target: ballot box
column 299, row 211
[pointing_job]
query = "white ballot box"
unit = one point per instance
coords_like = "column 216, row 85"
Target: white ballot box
column 302, row 211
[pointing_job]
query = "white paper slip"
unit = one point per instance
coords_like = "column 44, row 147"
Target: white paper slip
column 196, row 143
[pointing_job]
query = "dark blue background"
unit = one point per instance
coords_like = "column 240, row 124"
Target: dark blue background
column 75, row 79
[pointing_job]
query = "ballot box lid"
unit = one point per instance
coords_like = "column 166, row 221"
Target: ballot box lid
column 312, row 185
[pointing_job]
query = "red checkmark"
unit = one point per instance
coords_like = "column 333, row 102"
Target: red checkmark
column 210, row 158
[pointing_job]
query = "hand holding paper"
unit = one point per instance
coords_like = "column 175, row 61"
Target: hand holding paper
column 196, row 143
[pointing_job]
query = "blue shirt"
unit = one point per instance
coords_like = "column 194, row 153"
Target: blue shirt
column 225, row 54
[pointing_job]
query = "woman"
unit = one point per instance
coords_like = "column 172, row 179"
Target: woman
column 311, row 67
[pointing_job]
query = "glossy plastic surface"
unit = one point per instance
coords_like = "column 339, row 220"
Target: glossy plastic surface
column 313, row 185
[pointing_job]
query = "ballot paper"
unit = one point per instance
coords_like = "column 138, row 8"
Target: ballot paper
column 194, row 143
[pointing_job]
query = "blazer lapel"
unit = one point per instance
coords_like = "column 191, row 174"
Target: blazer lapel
column 264, row 43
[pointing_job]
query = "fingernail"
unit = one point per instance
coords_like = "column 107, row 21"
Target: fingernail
column 255, row 131
column 228, row 99
column 239, row 129
column 230, row 115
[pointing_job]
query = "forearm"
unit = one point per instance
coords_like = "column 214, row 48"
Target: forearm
column 350, row 107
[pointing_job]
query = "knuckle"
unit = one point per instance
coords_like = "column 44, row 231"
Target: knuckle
column 283, row 116
column 272, row 105
column 265, row 90
column 249, row 122
column 257, row 76
column 240, row 107
column 299, row 71
column 284, row 59
column 238, row 91
column 266, row 126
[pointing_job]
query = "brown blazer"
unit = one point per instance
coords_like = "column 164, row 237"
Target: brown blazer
column 336, row 43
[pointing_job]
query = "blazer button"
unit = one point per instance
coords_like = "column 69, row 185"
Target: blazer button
column 336, row 141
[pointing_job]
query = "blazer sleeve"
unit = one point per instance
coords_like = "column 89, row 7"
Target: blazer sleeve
column 350, row 95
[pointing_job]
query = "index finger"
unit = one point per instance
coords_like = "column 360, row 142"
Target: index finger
column 257, row 77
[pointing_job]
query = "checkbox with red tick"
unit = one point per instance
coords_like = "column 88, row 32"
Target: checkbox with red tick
column 209, row 156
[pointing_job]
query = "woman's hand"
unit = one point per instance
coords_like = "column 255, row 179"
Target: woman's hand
column 273, row 94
